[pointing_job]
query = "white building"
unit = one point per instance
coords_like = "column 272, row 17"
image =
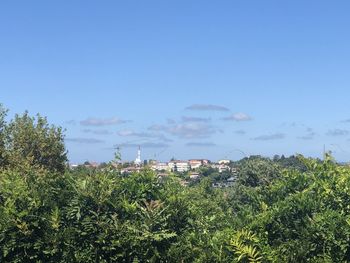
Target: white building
column 224, row 161
column 73, row 166
column 195, row 164
column 160, row 167
column 179, row 166
column 221, row 167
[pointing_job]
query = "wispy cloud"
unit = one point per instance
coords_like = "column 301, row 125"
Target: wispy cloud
column 307, row 137
column 195, row 119
column 292, row 124
column 310, row 134
column 170, row 121
column 102, row 122
column 240, row 132
column 131, row 133
column 240, row 116
column 192, row 130
column 84, row 140
column 157, row 127
column 187, row 130
column 200, row 144
column 207, row 107
column 97, row 132
column 71, row 122
column 337, row 132
column 143, row 145
column 270, row 137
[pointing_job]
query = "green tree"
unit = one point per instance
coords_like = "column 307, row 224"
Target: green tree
column 257, row 171
column 32, row 142
column 3, row 113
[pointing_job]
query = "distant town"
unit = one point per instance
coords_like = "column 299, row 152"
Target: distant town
column 192, row 168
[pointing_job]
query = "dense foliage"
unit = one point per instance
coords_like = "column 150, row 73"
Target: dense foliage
column 103, row 217
column 31, row 142
column 271, row 214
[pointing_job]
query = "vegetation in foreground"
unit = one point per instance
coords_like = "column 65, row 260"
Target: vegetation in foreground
column 274, row 212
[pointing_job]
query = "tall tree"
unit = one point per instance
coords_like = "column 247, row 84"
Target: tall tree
column 32, row 141
column 3, row 113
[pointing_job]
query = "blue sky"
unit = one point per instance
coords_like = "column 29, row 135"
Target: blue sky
column 184, row 79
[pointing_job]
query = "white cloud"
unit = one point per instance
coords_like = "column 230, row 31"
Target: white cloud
column 207, row 107
column 240, row 132
column 143, row 145
column 102, row 122
column 84, row 140
column 97, row 132
column 337, row 132
column 240, row 116
column 310, row 134
column 270, row 137
column 200, row 144
column 191, row 130
column 195, row 119
column 131, row 133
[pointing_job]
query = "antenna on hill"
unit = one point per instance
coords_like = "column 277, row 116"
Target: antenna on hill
column 159, row 153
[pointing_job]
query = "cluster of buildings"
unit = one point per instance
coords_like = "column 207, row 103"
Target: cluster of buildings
column 178, row 165
column 192, row 169
column 189, row 165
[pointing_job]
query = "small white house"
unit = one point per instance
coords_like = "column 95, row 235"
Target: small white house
column 194, row 176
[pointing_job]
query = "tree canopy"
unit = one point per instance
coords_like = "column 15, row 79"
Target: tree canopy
column 27, row 141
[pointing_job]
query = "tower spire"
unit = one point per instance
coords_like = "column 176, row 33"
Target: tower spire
column 138, row 158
